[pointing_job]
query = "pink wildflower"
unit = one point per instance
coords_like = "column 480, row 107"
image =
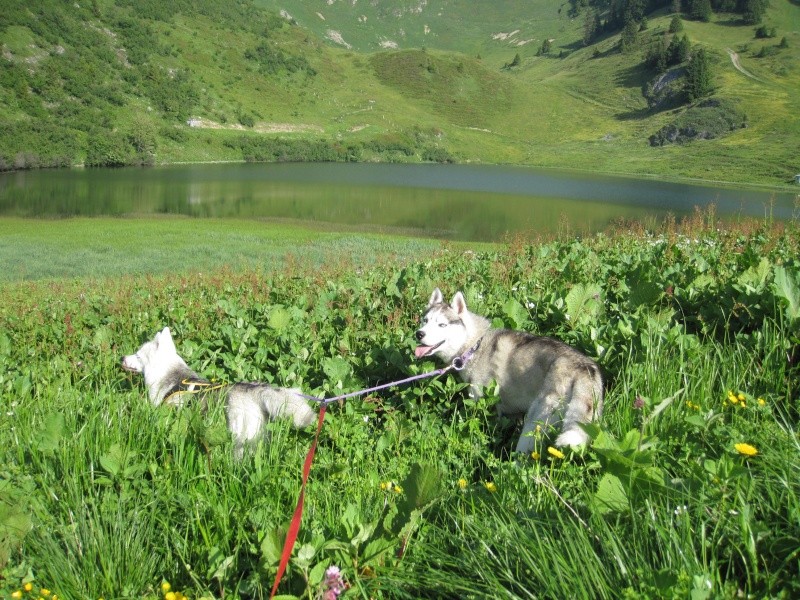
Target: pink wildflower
column 333, row 584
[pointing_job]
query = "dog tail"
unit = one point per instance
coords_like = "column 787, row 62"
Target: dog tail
column 289, row 403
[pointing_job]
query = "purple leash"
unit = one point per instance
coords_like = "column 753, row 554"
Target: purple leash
column 459, row 362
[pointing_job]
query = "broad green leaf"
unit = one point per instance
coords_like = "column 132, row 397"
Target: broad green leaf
column 786, row 287
column 305, row 554
column 5, row 345
column 695, row 420
column 422, row 485
column 51, row 432
column 112, row 460
column 218, row 563
column 583, row 303
column 103, row 337
column 702, row 281
column 610, row 495
column 376, row 549
column 272, row 545
column 336, row 369
column 755, row 277
column 317, row 573
column 516, row 313
column 279, row 318
column 631, row 440
column 644, row 293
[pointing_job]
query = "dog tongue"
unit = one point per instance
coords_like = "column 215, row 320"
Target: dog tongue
column 421, row 351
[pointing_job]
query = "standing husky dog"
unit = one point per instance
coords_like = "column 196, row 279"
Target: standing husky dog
column 248, row 405
column 539, row 378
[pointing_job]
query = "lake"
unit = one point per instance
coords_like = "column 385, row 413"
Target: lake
column 460, row 202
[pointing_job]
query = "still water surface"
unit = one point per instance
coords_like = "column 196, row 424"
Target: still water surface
column 463, row 202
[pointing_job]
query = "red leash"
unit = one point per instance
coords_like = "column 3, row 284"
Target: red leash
column 294, row 526
column 458, row 363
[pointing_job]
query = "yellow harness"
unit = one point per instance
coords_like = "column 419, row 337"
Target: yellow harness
column 193, row 386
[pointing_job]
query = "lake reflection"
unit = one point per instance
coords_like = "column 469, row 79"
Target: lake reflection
column 463, row 202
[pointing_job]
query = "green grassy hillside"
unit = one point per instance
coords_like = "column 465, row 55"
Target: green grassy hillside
column 106, row 83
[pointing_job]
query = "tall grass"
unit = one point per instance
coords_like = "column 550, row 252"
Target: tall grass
column 415, row 492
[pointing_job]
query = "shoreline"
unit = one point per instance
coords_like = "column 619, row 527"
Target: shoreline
column 784, row 188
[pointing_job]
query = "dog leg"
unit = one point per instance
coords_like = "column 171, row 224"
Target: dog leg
column 245, row 422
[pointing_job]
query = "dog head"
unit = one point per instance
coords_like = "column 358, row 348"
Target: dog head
column 443, row 331
column 159, row 350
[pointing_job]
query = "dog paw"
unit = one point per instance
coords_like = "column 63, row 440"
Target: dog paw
column 572, row 437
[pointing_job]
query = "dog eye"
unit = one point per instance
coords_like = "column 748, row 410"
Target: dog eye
column 442, row 324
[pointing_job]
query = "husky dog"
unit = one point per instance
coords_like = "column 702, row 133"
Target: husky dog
column 169, row 380
column 542, row 379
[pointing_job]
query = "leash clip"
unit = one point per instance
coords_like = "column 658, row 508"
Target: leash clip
column 459, row 362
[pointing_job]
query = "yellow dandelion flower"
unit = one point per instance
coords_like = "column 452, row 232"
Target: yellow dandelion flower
column 398, row 489
column 385, row 486
column 761, row 402
column 16, row 595
column 733, row 399
column 169, row 596
column 462, row 483
column 490, row 487
column 555, row 452
column 44, row 592
column 535, row 455
column 27, row 587
column 741, row 397
column 746, row 449
column 165, row 587
column 743, row 404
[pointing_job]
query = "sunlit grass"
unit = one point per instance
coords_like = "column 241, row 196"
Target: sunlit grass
column 688, row 489
column 109, row 247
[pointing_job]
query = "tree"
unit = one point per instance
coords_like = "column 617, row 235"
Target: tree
column 752, row 11
column 591, row 25
column 545, row 48
column 629, row 39
column 698, row 76
column 676, row 24
column 700, row 10
column 657, row 55
column 678, row 50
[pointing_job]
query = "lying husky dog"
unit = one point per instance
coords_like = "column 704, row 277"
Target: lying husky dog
column 539, row 378
column 247, row 405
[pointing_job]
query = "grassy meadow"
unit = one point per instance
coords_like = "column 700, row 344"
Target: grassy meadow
column 690, row 487
column 102, row 247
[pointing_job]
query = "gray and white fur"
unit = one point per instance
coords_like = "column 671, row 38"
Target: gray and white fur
column 248, row 406
column 541, row 379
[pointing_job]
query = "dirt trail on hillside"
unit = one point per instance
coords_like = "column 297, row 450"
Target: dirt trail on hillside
column 738, row 66
column 259, row 127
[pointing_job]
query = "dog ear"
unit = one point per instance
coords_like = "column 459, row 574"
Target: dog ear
column 436, row 297
column 165, row 338
column 458, row 303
